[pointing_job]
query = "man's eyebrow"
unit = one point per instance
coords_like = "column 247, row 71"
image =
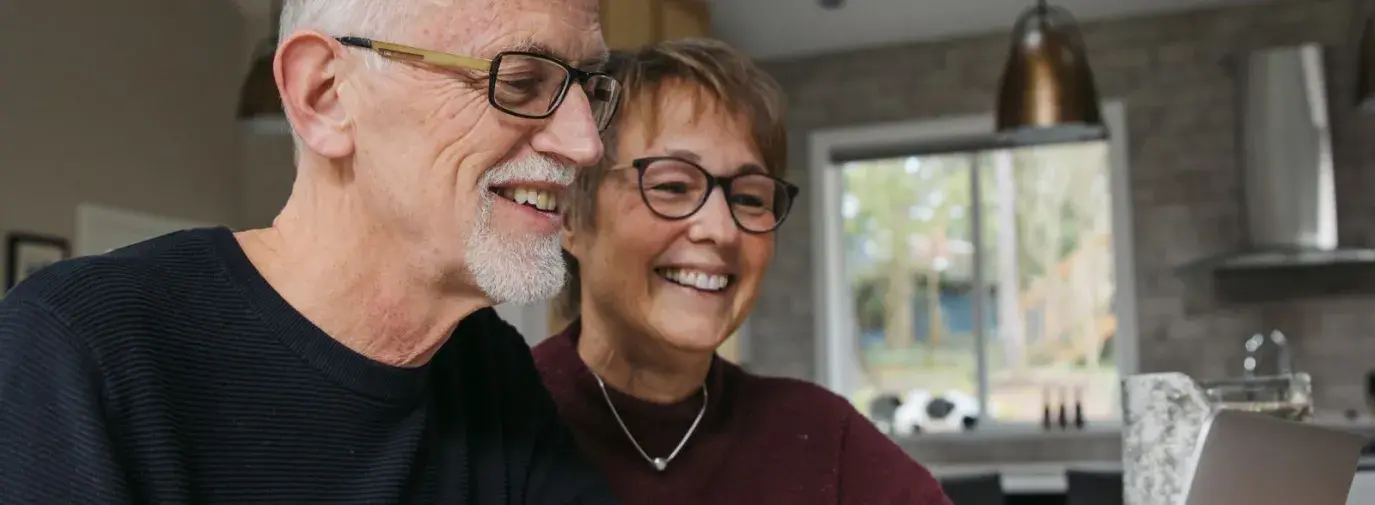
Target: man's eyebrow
column 596, row 63
column 530, row 45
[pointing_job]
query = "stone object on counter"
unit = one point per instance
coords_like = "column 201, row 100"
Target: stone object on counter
column 1162, row 414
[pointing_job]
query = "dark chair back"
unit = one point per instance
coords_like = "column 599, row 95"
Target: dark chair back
column 984, row 489
column 1093, row 488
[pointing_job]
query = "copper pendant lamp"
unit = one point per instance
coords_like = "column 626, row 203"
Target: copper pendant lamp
column 1047, row 93
column 258, row 98
column 1365, row 61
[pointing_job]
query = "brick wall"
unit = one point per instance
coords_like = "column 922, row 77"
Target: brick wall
column 1186, row 205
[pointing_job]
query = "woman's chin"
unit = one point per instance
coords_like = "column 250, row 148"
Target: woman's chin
column 699, row 342
column 690, row 344
column 691, row 333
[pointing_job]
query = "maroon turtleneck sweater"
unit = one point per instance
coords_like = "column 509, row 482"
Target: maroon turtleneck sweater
column 762, row 441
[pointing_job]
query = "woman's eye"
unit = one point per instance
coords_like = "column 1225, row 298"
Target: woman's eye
column 521, row 84
column 748, row 200
column 672, row 187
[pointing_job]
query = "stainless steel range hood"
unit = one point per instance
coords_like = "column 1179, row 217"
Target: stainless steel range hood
column 1286, row 157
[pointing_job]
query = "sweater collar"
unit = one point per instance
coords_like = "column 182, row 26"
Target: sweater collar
column 575, row 388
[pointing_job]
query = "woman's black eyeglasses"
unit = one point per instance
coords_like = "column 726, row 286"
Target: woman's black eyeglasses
column 674, row 188
column 521, row 84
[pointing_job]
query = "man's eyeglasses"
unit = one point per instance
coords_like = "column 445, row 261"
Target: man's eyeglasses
column 674, row 188
column 521, row 84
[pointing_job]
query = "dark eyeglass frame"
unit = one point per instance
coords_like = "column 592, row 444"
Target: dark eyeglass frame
column 460, row 62
column 641, row 165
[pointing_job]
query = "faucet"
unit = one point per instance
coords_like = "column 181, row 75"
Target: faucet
column 1284, row 360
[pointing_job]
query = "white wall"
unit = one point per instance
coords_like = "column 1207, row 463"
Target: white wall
column 267, row 161
column 267, row 168
column 531, row 320
column 128, row 103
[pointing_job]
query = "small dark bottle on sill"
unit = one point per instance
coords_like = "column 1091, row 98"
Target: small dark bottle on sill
column 1045, row 408
column 1064, row 409
column 1079, row 407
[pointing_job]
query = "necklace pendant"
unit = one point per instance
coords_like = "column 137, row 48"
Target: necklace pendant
column 659, row 464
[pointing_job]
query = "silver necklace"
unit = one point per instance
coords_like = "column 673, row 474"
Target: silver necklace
column 658, row 463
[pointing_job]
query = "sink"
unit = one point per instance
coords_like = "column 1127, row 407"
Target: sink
column 1287, row 396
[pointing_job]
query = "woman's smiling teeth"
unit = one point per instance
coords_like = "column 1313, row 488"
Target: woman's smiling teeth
column 546, row 201
column 695, row 279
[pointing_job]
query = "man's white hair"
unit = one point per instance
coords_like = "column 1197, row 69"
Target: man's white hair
column 376, row 19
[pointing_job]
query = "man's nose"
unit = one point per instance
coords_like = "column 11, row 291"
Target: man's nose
column 571, row 132
column 713, row 222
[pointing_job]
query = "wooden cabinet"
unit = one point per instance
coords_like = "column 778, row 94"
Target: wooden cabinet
column 683, row 18
column 628, row 24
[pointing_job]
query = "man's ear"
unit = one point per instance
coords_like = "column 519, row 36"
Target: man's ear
column 307, row 69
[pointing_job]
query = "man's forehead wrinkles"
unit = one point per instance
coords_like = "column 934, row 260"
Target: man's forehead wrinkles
column 456, row 26
column 568, row 30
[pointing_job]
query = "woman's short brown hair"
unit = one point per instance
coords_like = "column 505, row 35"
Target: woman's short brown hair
column 722, row 77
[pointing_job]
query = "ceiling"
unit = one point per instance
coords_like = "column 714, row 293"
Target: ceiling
column 780, row 28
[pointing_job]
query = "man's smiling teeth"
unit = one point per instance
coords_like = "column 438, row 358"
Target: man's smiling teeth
column 537, row 198
column 695, row 279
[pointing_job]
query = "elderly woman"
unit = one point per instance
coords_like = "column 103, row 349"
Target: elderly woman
column 669, row 238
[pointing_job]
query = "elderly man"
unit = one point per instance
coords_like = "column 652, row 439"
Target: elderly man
column 322, row 359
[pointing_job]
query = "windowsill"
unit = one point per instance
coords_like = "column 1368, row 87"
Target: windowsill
column 1022, row 453
column 1005, row 432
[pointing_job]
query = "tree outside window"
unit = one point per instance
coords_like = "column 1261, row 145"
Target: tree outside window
column 1035, row 318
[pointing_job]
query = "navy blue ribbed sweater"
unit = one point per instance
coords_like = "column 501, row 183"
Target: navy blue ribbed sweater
column 170, row 372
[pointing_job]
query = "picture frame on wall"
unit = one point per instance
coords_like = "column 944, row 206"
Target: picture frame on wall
column 28, row 253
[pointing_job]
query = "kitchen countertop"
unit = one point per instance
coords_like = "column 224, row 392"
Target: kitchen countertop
column 1027, row 478
column 1049, row 477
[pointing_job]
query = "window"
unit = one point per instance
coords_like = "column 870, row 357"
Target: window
column 993, row 278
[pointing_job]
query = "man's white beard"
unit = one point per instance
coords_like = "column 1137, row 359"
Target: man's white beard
column 516, row 266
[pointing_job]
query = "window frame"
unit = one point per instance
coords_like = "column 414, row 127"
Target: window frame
column 836, row 365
